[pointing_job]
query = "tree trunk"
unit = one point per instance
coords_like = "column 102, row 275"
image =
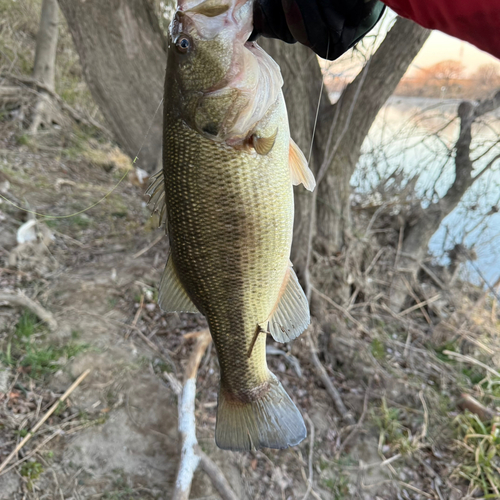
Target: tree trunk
column 416, row 237
column 45, row 62
column 46, row 44
column 123, row 54
column 345, row 126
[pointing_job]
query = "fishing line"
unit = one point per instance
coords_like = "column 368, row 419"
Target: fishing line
column 318, row 106
column 107, row 195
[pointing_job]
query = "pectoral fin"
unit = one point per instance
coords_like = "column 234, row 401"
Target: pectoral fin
column 291, row 314
column 173, row 297
column 263, row 145
column 300, row 171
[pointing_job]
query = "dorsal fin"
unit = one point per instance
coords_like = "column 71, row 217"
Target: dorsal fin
column 300, row 171
column 172, row 296
column 290, row 316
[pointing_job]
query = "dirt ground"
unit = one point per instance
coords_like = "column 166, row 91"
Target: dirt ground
column 116, row 436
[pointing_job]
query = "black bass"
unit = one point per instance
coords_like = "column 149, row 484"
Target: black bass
column 226, row 192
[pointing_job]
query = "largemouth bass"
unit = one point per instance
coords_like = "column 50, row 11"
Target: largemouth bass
column 226, row 193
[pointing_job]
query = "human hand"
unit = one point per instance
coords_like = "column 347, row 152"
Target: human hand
column 328, row 27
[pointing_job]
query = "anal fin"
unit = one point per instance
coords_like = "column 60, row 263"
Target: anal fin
column 299, row 169
column 172, row 296
column 290, row 316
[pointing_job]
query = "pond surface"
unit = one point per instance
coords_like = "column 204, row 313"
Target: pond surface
column 415, row 137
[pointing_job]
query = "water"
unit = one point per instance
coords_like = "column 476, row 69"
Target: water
column 416, row 137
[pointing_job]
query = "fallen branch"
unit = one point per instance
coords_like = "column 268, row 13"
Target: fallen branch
column 52, row 409
column 20, row 300
column 330, row 388
column 191, row 455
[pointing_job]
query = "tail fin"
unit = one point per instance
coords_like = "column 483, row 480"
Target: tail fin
column 272, row 421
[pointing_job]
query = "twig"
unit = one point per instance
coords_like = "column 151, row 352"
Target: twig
column 342, row 310
column 139, row 311
column 311, row 453
column 417, row 300
column 149, row 247
column 420, row 305
column 274, row 351
column 187, row 426
column 191, row 454
column 374, row 261
column 202, row 342
column 470, row 359
column 215, row 474
column 425, row 426
column 33, row 452
column 483, row 277
column 330, row 388
column 52, row 409
column 376, row 465
column 415, row 489
column 433, row 276
column 20, row 300
column 356, row 428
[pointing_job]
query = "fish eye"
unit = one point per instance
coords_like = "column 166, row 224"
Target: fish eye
column 183, row 44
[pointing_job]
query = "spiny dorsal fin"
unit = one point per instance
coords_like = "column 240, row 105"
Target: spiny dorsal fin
column 156, row 193
column 290, row 316
column 263, row 145
column 301, row 173
column 173, row 296
column 211, row 8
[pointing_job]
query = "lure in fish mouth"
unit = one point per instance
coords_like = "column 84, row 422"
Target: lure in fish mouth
column 226, row 193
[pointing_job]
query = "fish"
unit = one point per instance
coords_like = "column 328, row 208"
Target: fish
column 225, row 194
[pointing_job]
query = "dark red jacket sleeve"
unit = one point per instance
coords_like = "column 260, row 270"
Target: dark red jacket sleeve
column 475, row 21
